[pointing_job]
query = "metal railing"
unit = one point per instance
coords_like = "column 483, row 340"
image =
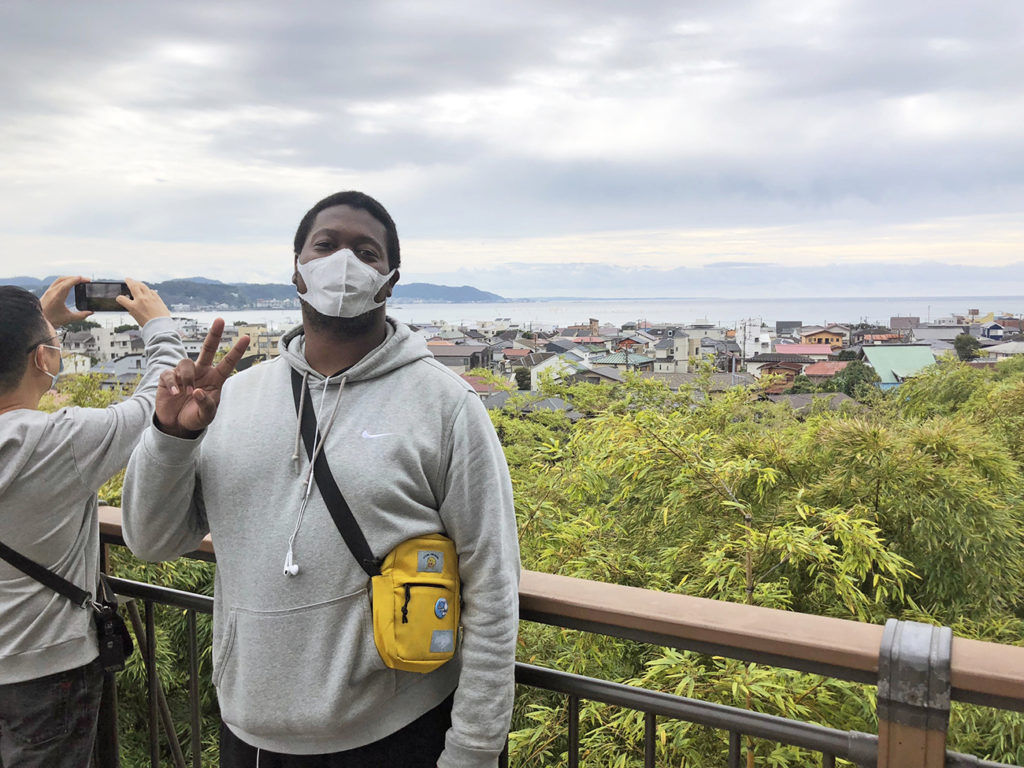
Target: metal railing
column 918, row 668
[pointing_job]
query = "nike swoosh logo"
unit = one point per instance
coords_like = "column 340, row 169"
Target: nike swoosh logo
column 368, row 436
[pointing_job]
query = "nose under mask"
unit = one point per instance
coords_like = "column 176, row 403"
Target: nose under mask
column 340, row 285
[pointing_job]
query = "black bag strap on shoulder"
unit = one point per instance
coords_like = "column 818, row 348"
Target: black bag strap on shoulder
column 341, row 513
column 46, row 577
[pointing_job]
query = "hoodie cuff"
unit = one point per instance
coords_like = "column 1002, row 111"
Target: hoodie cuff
column 157, row 326
column 169, row 450
column 457, row 756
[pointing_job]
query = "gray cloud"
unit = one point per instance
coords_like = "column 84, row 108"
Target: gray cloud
column 221, row 123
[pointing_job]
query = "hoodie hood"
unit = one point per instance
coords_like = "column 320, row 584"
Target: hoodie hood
column 399, row 348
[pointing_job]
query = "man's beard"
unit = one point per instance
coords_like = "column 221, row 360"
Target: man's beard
column 336, row 326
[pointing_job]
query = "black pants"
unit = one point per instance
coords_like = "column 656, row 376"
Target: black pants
column 418, row 745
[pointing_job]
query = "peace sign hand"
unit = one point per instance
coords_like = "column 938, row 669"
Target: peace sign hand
column 188, row 395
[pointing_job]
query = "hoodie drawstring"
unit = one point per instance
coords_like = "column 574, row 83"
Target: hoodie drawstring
column 290, row 567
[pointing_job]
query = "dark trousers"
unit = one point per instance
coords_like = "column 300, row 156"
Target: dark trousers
column 417, row 745
column 50, row 722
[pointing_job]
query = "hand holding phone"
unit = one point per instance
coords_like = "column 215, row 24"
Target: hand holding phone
column 54, row 301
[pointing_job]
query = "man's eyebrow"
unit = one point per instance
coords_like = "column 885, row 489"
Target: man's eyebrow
column 362, row 238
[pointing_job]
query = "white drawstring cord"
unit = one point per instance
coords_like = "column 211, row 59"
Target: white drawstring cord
column 289, row 564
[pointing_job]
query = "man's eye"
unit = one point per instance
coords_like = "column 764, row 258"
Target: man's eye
column 324, row 245
column 366, row 255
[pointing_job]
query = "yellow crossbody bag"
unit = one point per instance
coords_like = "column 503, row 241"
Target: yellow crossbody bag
column 416, row 604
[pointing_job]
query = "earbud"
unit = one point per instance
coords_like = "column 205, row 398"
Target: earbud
column 290, row 568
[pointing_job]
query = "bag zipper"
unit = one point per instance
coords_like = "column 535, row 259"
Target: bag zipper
column 405, row 605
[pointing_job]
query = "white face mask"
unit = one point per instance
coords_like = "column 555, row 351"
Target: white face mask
column 340, row 285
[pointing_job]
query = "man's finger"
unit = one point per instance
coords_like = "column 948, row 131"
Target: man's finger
column 227, row 365
column 185, row 375
column 211, row 343
column 207, row 406
column 167, row 381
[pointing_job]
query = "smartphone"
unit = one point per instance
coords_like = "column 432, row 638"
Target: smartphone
column 99, row 295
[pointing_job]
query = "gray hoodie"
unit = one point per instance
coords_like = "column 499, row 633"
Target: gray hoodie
column 51, row 465
column 414, row 452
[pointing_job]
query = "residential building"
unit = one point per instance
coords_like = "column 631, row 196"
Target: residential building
column 817, row 352
column 907, row 323
column 626, row 361
column 832, row 338
column 1005, row 350
column 460, row 357
column 777, row 362
column 895, row 363
column 823, row 371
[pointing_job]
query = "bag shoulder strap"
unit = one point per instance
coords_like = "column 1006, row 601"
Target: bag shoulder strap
column 340, row 511
column 46, row 577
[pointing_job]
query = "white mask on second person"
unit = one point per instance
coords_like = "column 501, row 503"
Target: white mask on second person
column 340, row 285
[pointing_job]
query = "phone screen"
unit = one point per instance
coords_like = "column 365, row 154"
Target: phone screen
column 98, row 296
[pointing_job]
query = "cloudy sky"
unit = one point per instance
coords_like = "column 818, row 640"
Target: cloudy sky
column 582, row 147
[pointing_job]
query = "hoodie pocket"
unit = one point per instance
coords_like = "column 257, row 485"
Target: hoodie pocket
column 310, row 671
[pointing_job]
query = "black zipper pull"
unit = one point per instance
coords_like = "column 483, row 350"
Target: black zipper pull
column 405, row 606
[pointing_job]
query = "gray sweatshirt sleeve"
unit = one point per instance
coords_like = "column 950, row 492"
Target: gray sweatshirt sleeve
column 478, row 514
column 102, row 439
column 162, row 503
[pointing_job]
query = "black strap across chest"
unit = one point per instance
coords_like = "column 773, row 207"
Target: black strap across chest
column 45, row 576
column 333, row 498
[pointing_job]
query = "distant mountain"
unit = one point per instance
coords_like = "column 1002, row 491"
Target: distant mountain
column 428, row 292
column 204, row 292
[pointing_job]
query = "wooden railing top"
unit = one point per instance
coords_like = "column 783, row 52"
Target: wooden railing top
column 979, row 669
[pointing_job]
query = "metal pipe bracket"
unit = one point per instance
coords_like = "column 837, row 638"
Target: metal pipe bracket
column 914, row 675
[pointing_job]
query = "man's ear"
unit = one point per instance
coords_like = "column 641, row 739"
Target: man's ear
column 297, row 280
column 392, row 281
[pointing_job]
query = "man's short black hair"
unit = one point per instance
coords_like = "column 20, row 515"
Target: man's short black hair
column 353, row 200
column 22, row 325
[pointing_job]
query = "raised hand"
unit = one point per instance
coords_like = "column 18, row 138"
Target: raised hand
column 145, row 303
column 188, row 395
column 55, row 301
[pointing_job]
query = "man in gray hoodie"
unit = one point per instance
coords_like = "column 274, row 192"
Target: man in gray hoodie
column 299, row 679
column 51, row 465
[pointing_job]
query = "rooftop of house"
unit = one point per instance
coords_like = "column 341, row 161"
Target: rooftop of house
column 719, row 381
column 479, row 385
column 1007, row 348
column 825, row 368
column 895, row 362
column 802, row 349
column 779, row 357
column 602, row 371
column 455, row 350
column 623, row 358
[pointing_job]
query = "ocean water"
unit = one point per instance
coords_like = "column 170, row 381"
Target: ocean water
column 725, row 312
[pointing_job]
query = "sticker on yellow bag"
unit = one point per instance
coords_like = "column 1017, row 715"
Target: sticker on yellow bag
column 416, row 604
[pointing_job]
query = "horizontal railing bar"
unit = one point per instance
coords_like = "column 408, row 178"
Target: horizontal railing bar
column 708, row 649
column 857, row 747
column 166, row 595
column 861, row 748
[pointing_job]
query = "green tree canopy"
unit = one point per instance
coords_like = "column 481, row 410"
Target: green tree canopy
column 966, row 346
